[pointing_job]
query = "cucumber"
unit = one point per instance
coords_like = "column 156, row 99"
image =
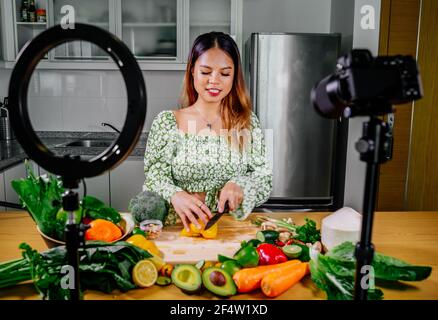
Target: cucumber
column 163, row 281
column 268, row 236
column 292, row 251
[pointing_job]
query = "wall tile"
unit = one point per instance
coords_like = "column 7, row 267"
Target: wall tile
column 50, row 84
column 83, row 114
column 114, row 86
column 46, row 113
column 164, row 84
column 83, row 84
column 115, row 113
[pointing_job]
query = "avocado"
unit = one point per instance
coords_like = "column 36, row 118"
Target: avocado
column 187, row 277
column 219, row 282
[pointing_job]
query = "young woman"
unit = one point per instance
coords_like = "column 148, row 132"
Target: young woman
column 210, row 151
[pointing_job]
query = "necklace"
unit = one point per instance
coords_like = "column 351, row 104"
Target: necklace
column 209, row 123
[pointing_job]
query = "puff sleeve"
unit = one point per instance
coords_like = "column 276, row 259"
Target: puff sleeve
column 158, row 157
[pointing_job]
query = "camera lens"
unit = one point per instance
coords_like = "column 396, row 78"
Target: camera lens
column 325, row 97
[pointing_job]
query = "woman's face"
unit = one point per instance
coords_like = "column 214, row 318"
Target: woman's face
column 213, row 75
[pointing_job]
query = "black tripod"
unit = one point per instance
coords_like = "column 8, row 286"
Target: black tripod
column 74, row 234
column 375, row 148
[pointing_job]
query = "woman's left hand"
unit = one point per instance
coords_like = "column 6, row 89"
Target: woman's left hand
column 232, row 193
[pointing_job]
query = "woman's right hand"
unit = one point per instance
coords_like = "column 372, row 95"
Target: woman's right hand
column 187, row 206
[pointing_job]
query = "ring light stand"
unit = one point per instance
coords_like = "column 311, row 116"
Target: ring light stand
column 71, row 168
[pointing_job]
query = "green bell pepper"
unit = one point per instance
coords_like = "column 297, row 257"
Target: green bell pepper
column 247, row 256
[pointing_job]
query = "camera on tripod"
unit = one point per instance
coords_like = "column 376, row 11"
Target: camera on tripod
column 364, row 85
column 367, row 86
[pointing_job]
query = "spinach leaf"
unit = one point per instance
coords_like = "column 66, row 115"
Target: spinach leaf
column 337, row 285
column 96, row 209
column 37, row 195
column 103, row 267
column 335, row 272
column 385, row 267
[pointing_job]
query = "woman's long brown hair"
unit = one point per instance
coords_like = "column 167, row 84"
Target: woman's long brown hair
column 236, row 106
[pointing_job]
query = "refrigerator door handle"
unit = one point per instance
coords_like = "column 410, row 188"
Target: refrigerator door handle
column 254, row 71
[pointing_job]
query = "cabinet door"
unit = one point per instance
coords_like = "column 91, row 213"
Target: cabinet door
column 2, row 190
column 26, row 30
column 149, row 28
column 97, row 13
column 209, row 15
column 14, row 173
column 97, row 187
column 126, row 182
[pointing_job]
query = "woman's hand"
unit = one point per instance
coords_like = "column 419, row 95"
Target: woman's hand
column 232, row 193
column 187, row 206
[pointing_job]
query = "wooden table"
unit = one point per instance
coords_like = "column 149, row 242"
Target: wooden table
column 410, row 236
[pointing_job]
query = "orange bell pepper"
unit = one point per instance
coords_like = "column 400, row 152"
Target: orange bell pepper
column 103, row 230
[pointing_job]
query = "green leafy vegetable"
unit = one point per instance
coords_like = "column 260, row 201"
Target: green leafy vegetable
column 96, row 209
column 41, row 197
column 103, row 267
column 307, row 233
column 334, row 272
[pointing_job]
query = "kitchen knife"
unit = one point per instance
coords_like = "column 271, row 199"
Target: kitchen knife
column 217, row 217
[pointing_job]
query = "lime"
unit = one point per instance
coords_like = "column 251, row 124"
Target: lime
column 144, row 274
column 292, row 251
column 164, row 281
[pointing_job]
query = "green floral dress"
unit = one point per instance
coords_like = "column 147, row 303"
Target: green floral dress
column 176, row 161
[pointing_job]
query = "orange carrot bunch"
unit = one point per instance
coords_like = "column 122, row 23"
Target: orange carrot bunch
column 272, row 279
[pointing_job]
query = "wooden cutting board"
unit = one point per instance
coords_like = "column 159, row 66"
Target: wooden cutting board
column 178, row 249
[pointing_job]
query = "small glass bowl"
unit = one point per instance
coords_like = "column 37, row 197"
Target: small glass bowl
column 152, row 228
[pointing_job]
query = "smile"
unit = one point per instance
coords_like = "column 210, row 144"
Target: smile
column 213, row 92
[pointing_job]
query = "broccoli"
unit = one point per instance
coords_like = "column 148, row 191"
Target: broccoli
column 148, row 205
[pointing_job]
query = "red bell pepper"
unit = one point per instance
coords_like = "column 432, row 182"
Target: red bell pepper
column 270, row 254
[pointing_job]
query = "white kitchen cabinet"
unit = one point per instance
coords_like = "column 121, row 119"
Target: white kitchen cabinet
column 96, row 186
column 126, row 182
column 213, row 15
column 158, row 32
column 26, row 31
column 14, row 173
column 151, row 33
column 99, row 13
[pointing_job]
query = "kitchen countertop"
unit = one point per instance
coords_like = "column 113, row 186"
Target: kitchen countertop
column 11, row 153
column 410, row 236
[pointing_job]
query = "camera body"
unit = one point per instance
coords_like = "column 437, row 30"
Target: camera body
column 364, row 85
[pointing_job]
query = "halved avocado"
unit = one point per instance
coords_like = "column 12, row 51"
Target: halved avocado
column 219, row 282
column 187, row 277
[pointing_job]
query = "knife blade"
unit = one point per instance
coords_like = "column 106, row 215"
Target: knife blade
column 216, row 217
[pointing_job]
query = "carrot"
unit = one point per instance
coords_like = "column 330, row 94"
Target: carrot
column 249, row 279
column 278, row 282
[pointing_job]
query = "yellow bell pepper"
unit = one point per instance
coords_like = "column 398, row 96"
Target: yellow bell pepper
column 195, row 232
column 140, row 241
column 210, row 233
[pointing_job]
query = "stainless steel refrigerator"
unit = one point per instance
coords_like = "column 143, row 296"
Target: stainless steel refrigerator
column 307, row 152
